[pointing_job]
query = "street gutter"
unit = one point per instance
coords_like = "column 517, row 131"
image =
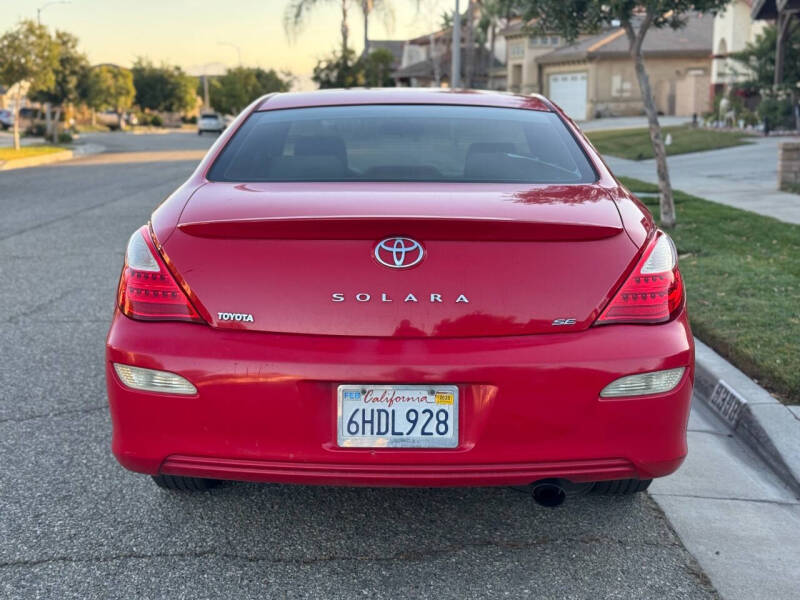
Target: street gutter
column 769, row 428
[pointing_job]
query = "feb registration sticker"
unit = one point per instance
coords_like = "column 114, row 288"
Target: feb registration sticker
column 392, row 416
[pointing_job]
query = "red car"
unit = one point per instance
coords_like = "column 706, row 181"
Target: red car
column 401, row 288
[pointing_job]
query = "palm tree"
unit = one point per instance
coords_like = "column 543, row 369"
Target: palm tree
column 384, row 9
column 297, row 11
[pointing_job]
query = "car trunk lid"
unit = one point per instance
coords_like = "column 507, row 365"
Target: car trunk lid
column 499, row 259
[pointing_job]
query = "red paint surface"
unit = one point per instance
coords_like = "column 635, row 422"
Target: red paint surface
column 523, row 255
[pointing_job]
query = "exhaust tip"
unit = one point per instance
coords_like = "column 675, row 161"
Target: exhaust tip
column 549, row 494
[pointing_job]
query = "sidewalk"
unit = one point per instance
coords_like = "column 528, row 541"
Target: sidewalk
column 738, row 520
column 743, row 177
column 638, row 122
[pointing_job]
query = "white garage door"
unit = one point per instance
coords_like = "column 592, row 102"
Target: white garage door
column 568, row 90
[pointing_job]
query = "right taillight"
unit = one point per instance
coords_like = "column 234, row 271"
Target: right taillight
column 147, row 290
column 653, row 293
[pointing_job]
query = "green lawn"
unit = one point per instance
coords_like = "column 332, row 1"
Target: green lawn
column 27, row 152
column 742, row 274
column 635, row 144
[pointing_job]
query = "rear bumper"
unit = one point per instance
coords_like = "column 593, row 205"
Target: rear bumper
column 529, row 409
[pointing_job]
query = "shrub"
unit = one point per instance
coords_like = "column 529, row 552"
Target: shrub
column 36, row 130
column 777, row 113
column 156, row 121
column 64, row 137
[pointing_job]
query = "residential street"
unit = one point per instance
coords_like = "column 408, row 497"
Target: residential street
column 74, row 524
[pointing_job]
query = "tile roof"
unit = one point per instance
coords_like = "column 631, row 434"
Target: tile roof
column 694, row 39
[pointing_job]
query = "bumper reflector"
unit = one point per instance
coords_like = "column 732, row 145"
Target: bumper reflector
column 151, row 380
column 655, row 382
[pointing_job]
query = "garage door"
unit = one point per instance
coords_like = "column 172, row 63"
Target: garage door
column 568, row 90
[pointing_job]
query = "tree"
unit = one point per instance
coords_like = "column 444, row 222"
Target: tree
column 377, row 68
column 238, row 87
column 165, row 88
column 297, row 12
column 573, row 17
column 381, row 7
column 372, row 70
column 338, row 71
column 468, row 23
column 758, row 60
column 495, row 14
column 70, row 71
column 27, row 55
column 110, row 87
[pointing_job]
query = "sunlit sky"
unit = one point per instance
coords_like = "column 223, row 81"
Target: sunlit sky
column 188, row 32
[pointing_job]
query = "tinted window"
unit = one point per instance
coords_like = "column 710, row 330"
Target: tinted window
column 403, row 143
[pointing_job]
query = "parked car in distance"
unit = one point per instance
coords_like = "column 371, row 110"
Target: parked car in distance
column 402, row 287
column 212, row 122
column 110, row 118
column 6, row 119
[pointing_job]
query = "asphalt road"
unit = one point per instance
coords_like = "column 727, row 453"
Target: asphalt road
column 74, row 524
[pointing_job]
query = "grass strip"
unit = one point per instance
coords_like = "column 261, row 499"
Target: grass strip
column 634, row 144
column 742, row 274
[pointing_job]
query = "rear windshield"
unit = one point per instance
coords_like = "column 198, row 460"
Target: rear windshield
column 434, row 143
column 209, row 116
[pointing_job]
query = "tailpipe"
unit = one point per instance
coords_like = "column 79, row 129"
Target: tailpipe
column 549, row 493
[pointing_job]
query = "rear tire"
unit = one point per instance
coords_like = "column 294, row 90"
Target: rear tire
column 185, row 484
column 621, row 487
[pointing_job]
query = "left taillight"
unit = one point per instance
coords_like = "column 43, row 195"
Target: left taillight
column 654, row 292
column 147, row 290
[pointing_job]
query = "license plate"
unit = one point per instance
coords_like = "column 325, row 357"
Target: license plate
column 391, row 416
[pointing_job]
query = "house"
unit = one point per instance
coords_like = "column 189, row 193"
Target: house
column 393, row 46
column 426, row 60
column 594, row 76
column 435, row 71
column 733, row 29
column 523, row 50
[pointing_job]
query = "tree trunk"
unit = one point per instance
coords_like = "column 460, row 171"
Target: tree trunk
column 17, row 103
column 48, row 122
column 56, row 119
column 666, row 200
column 469, row 42
column 365, row 9
column 490, row 66
column 345, row 31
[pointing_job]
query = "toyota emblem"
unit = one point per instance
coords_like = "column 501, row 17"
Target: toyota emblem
column 399, row 252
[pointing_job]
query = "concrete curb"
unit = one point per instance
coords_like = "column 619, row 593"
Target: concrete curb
column 35, row 161
column 771, row 429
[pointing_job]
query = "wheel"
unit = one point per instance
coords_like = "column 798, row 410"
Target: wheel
column 199, row 132
column 185, row 484
column 621, row 487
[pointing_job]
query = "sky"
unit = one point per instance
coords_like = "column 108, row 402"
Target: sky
column 189, row 32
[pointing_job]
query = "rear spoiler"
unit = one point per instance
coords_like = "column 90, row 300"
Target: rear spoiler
column 327, row 227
